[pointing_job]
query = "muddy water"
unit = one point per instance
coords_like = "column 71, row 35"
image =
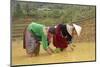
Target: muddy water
column 82, row 52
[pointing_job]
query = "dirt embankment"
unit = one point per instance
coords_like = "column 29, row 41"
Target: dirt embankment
column 87, row 34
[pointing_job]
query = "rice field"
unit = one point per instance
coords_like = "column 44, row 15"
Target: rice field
column 84, row 51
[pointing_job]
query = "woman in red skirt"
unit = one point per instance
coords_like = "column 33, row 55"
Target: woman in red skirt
column 63, row 35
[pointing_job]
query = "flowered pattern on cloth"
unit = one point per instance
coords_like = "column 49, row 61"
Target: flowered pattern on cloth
column 29, row 42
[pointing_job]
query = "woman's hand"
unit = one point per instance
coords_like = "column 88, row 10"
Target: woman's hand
column 49, row 50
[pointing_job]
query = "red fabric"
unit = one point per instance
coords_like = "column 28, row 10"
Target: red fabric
column 24, row 39
column 58, row 40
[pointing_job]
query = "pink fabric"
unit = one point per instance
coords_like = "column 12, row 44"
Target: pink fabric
column 49, row 37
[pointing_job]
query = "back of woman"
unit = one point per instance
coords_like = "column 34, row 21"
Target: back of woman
column 58, row 40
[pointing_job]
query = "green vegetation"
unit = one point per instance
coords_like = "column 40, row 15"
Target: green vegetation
column 52, row 13
column 24, row 13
